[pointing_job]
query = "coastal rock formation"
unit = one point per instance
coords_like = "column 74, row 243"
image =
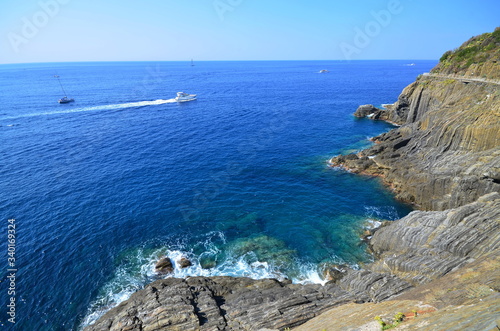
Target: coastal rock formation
column 367, row 110
column 445, row 154
column 426, row 245
column 467, row 298
column 221, row 303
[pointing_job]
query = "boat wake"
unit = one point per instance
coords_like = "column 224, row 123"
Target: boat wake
column 130, row 105
column 118, row 106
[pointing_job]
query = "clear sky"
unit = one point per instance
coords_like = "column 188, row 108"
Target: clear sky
column 178, row 30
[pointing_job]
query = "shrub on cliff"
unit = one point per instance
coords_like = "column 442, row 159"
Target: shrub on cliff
column 479, row 51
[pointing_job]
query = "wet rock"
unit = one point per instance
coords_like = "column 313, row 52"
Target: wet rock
column 444, row 158
column 184, row 263
column 334, row 273
column 164, row 266
column 366, row 110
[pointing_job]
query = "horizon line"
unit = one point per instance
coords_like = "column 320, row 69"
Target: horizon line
column 139, row 61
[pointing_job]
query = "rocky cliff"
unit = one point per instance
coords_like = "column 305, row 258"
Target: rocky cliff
column 445, row 153
column 438, row 266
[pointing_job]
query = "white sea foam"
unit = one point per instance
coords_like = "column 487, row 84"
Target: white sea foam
column 384, row 213
column 140, row 270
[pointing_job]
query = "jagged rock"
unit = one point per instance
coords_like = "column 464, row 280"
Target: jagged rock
column 352, row 161
column 425, row 245
column 164, row 266
column 221, row 303
column 366, row 110
column 333, row 273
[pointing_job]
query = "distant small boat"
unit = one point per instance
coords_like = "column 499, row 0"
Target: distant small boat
column 183, row 97
column 64, row 99
column 323, row 71
column 192, row 63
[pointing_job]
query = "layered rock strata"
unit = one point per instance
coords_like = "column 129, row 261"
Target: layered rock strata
column 221, row 303
column 445, row 154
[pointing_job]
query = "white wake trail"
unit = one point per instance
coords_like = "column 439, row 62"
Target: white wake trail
column 98, row 108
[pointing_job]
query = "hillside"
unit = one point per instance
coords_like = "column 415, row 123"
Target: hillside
column 478, row 57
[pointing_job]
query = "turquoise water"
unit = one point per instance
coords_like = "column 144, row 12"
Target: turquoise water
column 237, row 180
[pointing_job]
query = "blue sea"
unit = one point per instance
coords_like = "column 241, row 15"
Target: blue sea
column 237, row 181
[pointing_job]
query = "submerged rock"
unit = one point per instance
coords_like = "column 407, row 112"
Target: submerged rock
column 264, row 249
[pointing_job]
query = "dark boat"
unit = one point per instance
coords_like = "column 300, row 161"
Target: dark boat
column 64, row 99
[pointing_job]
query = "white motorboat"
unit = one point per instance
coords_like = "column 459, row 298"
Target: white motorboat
column 323, row 71
column 183, row 97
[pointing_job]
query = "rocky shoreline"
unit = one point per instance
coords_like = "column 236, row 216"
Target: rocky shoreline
column 439, row 265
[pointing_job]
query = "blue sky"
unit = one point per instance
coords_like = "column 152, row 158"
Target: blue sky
column 178, row 30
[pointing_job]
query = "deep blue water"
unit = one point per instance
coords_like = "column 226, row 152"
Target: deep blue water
column 237, row 180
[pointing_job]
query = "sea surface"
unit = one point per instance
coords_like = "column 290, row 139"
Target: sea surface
column 237, row 181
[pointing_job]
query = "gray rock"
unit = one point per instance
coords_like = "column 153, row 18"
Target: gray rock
column 445, row 154
column 366, row 110
column 221, row 303
column 184, row 263
column 428, row 244
column 368, row 286
column 444, row 157
column 164, row 266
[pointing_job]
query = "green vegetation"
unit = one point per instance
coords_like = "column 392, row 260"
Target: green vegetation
column 398, row 318
column 445, row 56
column 448, row 82
column 424, row 83
column 476, row 50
